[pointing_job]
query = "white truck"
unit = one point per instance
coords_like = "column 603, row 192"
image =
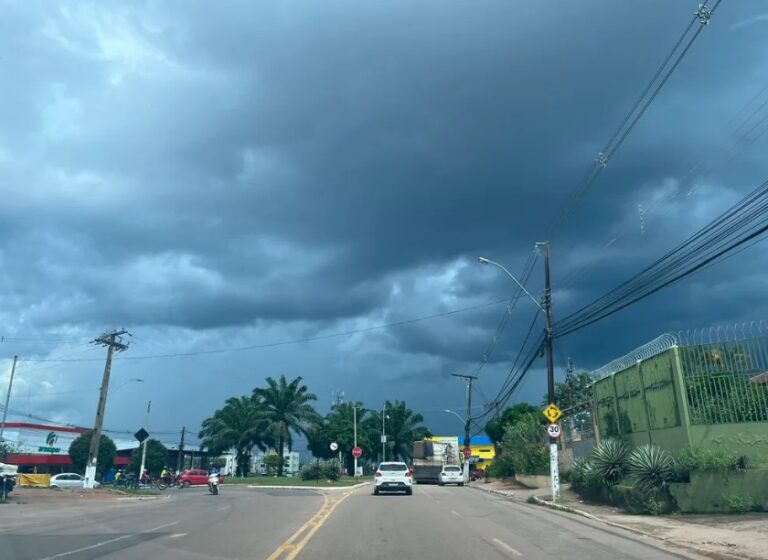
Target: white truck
column 429, row 456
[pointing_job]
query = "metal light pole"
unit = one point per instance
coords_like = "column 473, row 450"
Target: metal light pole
column 144, row 449
column 456, row 414
column 554, row 469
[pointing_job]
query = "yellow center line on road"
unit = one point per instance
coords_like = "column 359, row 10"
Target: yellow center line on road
column 296, row 542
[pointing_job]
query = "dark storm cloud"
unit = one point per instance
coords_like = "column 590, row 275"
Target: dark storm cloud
column 342, row 164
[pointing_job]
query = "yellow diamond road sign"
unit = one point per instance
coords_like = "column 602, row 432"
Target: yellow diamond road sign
column 552, row 413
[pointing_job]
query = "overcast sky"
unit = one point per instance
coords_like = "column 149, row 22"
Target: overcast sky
column 236, row 174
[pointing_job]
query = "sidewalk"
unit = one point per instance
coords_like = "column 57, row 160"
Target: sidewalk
column 718, row 536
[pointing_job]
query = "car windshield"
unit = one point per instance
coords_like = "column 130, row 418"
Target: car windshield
column 393, row 467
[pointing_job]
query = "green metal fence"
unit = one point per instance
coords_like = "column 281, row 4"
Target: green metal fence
column 725, row 374
column 703, row 388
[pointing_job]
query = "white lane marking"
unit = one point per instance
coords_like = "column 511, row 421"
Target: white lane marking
column 224, row 508
column 457, row 514
column 508, row 548
column 110, row 541
column 177, row 535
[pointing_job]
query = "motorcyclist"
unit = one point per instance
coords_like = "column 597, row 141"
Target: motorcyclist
column 213, row 481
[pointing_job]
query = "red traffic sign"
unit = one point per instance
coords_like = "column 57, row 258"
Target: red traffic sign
column 357, row 452
column 553, row 430
column 467, row 452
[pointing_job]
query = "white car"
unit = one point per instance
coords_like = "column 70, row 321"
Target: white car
column 393, row 477
column 69, row 480
column 451, row 474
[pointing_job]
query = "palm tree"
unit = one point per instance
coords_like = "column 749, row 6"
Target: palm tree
column 287, row 410
column 402, row 428
column 240, row 425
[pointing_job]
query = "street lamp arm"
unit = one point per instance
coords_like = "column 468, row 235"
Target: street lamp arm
column 457, row 415
column 483, row 260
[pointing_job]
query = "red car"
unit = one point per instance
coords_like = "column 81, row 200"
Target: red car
column 195, row 477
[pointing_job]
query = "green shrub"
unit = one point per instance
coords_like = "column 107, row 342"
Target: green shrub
column 740, row 504
column 331, row 469
column 311, row 471
column 586, row 483
column 524, row 448
column 705, row 460
column 609, row 461
column 650, row 467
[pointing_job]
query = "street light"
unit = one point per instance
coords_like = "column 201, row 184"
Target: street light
column 457, row 415
column 483, row 260
column 547, row 309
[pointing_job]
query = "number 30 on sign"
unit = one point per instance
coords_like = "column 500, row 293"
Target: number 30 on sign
column 553, row 430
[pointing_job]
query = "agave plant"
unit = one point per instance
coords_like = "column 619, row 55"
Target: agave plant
column 650, row 467
column 609, row 461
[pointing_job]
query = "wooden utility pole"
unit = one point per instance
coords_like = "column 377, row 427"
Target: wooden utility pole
column 467, row 423
column 113, row 341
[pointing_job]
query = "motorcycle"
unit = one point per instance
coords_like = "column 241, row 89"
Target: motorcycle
column 213, row 484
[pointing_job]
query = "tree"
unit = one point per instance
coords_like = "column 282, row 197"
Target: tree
column 157, row 457
column 287, row 410
column 576, row 389
column 273, row 462
column 240, row 425
column 496, row 427
column 402, row 427
column 524, row 446
column 338, row 426
column 79, row 449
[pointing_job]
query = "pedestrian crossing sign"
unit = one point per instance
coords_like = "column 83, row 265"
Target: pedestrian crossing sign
column 552, row 413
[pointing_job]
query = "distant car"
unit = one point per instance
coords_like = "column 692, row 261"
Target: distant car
column 69, row 480
column 451, row 474
column 195, row 477
column 477, row 474
column 393, row 477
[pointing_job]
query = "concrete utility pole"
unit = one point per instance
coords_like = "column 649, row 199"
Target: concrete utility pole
column 354, row 423
column 467, row 423
column 554, row 468
column 144, row 444
column 113, row 342
column 383, row 433
column 8, row 399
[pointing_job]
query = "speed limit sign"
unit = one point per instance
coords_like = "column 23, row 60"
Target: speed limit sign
column 553, row 430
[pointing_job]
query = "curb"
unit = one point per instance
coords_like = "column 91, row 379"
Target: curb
column 500, row 493
column 313, row 488
column 692, row 548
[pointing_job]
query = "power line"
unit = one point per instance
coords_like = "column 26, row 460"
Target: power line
column 742, row 223
column 692, row 178
column 647, row 96
column 290, row 342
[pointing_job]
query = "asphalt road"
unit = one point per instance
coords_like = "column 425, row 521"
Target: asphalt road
column 434, row 523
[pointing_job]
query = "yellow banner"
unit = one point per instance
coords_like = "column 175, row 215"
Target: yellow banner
column 35, row 480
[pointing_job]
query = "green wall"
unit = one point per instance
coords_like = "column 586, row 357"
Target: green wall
column 648, row 403
column 720, row 492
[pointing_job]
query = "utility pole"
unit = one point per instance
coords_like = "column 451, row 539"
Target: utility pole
column 113, row 341
column 383, row 433
column 179, row 461
column 554, row 469
column 8, row 399
column 467, row 423
column 354, row 423
column 144, row 444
